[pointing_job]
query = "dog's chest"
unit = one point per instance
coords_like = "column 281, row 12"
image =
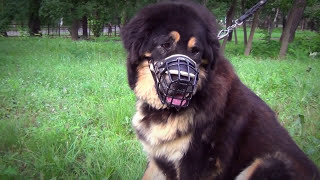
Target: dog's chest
column 164, row 136
column 170, row 140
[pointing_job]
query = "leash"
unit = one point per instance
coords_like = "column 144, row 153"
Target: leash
column 225, row 32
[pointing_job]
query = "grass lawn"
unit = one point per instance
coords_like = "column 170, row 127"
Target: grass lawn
column 66, row 108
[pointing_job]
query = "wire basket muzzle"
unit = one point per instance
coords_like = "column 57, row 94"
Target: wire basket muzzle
column 176, row 79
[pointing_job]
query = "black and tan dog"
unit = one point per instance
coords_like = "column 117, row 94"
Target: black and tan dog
column 219, row 129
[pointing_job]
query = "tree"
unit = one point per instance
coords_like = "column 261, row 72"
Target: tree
column 272, row 23
column 230, row 15
column 72, row 12
column 253, row 28
column 293, row 16
column 84, row 22
column 6, row 16
column 284, row 7
column 235, row 36
column 13, row 10
column 312, row 15
column 34, row 19
column 51, row 11
column 244, row 25
column 298, row 16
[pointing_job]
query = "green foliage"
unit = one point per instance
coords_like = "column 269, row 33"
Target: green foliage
column 52, row 10
column 305, row 43
column 96, row 26
column 12, row 10
column 218, row 10
column 101, row 13
column 312, row 12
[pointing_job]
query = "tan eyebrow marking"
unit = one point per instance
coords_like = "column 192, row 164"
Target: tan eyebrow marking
column 192, row 42
column 147, row 54
column 175, row 35
column 204, row 61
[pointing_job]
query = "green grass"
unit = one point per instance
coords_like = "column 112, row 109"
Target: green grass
column 65, row 111
column 66, row 108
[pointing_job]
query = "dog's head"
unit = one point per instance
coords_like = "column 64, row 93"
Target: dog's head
column 171, row 49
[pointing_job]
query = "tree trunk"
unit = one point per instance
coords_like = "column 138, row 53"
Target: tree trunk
column 230, row 15
column 284, row 21
column 59, row 28
column 48, row 29
column 230, row 36
column 119, row 23
column 34, row 25
column 74, row 30
column 245, row 39
column 272, row 24
column 89, row 29
column 34, row 19
column 235, row 36
column 297, row 19
column 269, row 22
column 253, row 28
column 293, row 16
column 84, row 26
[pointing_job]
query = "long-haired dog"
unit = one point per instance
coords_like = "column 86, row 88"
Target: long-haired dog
column 195, row 118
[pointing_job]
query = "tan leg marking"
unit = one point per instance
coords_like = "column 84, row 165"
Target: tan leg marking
column 175, row 35
column 247, row 173
column 153, row 172
column 192, row 42
column 145, row 87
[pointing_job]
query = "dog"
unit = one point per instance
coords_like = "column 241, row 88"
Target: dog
column 194, row 118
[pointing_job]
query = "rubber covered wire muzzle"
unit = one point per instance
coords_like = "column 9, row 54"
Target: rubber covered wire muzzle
column 176, row 79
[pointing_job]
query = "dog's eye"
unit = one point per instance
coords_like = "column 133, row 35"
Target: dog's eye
column 195, row 50
column 166, row 45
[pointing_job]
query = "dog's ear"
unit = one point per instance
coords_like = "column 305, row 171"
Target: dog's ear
column 134, row 35
column 212, row 48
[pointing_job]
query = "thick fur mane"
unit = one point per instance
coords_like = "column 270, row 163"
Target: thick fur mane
column 226, row 132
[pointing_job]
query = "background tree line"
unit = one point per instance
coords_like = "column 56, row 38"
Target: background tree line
column 289, row 14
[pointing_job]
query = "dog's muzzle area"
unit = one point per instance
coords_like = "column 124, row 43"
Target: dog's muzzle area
column 176, row 79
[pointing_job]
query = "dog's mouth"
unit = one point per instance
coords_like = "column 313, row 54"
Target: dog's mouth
column 177, row 100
